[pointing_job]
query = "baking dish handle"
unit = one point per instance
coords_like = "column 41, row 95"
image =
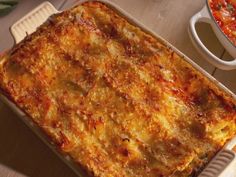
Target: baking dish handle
column 204, row 16
column 29, row 23
column 223, row 164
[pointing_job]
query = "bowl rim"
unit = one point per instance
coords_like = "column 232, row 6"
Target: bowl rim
column 212, row 16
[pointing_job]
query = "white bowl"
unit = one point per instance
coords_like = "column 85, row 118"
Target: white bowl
column 205, row 15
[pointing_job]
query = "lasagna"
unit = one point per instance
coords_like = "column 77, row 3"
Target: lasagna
column 116, row 99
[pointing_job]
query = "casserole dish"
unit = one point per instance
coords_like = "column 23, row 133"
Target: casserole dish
column 144, row 110
column 205, row 15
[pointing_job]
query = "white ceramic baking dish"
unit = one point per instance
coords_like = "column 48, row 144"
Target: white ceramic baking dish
column 206, row 16
column 223, row 163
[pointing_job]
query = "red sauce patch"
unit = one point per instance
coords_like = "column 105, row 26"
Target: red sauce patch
column 224, row 12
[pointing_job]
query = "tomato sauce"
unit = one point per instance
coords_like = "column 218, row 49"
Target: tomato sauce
column 224, row 12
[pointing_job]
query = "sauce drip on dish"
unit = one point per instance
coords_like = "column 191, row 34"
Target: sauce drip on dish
column 224, row 12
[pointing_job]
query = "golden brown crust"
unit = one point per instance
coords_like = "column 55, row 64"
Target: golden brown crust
column 116, row 99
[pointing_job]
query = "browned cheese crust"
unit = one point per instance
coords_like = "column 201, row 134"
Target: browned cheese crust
column 116, row 99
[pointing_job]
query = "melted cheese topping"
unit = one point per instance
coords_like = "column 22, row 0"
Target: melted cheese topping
column 116, row 99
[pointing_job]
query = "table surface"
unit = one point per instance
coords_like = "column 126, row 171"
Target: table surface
column 23, row 154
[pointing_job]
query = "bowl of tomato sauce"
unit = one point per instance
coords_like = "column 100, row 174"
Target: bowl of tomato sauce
column 221, row 15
